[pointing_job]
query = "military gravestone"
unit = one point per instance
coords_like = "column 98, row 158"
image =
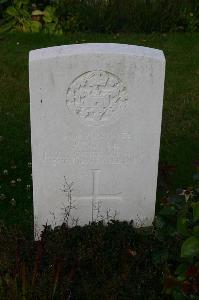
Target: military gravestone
column 95, row 124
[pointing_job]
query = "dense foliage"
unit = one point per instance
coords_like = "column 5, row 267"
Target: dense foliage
column 178, row 220
column 61, row 16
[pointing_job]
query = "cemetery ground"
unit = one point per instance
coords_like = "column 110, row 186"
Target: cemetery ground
column 98, row 262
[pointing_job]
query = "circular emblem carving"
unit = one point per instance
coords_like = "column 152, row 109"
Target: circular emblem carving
column 96, row 96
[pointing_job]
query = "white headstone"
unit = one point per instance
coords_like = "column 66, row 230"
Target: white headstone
column 96, row 114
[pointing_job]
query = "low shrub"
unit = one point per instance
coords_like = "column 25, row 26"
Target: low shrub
column 179, row 217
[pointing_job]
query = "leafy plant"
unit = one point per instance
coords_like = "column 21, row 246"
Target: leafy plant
column 51, row 21
column 21, row 16
column 18, row 17
column 184, row 284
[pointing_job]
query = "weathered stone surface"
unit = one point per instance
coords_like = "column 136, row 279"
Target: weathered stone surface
column 95, row 122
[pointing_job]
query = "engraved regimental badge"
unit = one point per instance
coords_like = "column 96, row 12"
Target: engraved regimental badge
column 96, row 97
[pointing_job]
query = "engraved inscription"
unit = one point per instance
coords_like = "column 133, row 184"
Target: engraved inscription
column 105, row 148
column 96, row 96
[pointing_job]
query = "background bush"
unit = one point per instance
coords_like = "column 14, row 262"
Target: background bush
column 114, row 15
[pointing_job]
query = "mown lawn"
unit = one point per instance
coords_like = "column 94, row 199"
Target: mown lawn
column 179, row 140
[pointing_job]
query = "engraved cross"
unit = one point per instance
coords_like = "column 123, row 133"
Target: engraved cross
column 95, row 196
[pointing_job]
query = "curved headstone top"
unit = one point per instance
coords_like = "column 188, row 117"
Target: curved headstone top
column 90, row 48
column 96, row 112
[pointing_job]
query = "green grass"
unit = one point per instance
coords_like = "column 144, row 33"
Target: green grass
column 179, row 140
